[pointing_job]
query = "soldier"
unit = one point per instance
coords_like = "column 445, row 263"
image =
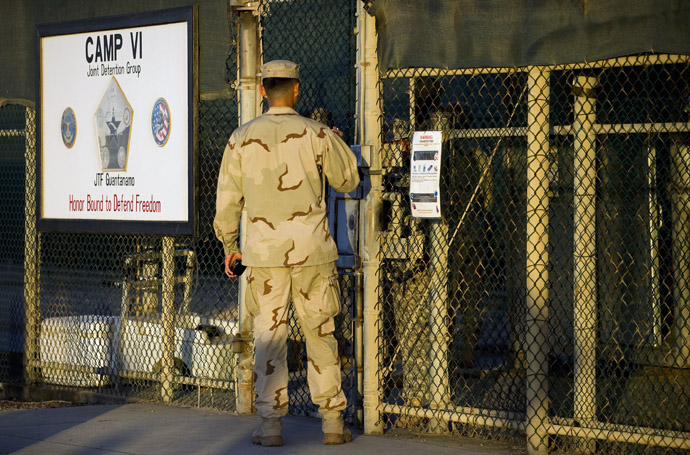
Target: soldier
column 276, row 167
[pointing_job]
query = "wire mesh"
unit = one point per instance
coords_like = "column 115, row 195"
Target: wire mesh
column 452, row 287
column 551, row 295
column 101, row 315
column 319, row 36
column 13, row 143
column 624, row 167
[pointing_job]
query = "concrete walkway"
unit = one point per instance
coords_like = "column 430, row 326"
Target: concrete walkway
column 151, row 429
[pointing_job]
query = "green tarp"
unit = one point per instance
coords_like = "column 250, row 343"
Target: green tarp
column 515, row 33
column 18, row 37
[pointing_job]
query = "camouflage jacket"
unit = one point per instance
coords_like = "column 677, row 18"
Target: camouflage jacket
column 275, row 166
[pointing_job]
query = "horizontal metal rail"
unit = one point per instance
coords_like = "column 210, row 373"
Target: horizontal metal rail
column 630, row 128
column 71, row 368
column 106, row 371
column 12, row 133
column 564, row 130
column 635, row 60
column 624, row 433
column 480, row 417
column 179, row 379
column 563, row 427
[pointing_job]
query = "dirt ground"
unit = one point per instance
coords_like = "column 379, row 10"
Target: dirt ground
column 13, row 405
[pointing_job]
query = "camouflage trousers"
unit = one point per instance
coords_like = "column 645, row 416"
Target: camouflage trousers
column 316, row 296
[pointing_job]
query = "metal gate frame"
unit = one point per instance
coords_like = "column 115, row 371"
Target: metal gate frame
column 536, row 423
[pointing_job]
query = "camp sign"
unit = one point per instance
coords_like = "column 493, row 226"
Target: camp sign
column 116, row 101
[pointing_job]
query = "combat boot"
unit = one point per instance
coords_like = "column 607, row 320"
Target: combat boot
column 334, row 431
column 269, row 433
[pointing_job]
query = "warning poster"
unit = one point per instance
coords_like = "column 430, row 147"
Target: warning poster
column 425, row 173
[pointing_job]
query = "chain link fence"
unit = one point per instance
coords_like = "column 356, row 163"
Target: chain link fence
column 12, row 176
column 550, row 300
column 551, row 297
column 319, row 36
column 100, row 321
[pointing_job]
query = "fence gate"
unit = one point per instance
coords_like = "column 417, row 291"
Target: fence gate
column 551, row 298
column 320, row 37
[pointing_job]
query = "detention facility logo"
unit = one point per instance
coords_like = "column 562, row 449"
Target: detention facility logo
column 68, row 127
column 160, row 122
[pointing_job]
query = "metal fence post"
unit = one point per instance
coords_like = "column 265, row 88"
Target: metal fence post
column 537, row 260
column 584, row 252
column 680, row 177
column 438, row 321
column 369, row 127
column 150, row 269
column 168, row 320
column 249, row 100
column 31, row 251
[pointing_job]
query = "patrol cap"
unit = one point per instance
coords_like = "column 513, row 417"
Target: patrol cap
column 280, row 68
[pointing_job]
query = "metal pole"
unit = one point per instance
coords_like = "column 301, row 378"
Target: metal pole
column 248, row 68
column 469, row 418
column 369, row 114
column 31, row 251
column 413, row 103
column 654, row 273
column 584, row 253
column 537, row 261
column 190, row 263
column 438, row 321
column 625, row 434
column 168, row 320
column 680, row 252
column 149, row 272
column 359, row 345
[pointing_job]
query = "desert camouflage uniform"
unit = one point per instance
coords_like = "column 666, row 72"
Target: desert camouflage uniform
column 276, row 167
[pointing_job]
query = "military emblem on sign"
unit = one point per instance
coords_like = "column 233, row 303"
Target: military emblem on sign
column 113, row 124
column 68, row 127
column 160, row 122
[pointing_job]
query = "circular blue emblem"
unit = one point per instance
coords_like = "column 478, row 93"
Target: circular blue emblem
column 68, row 127
column 160, row 122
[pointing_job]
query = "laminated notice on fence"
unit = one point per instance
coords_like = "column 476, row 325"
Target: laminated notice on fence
column 425, row 172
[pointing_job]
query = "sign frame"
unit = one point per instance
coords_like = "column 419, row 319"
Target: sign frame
column 189, row 226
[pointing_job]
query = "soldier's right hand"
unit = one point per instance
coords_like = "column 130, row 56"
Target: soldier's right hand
column 229, row 259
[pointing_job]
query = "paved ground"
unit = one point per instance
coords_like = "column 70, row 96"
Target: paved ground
column 150, row 429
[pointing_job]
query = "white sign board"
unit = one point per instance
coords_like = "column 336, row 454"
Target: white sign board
column 116, row 102
column 425, row 173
